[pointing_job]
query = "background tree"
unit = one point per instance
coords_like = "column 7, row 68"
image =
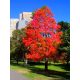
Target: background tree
column 17, row 49
column 43, row 36
column 64, row 25
column 64, row 48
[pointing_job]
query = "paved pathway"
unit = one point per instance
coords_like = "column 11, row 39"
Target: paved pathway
column 16, row 76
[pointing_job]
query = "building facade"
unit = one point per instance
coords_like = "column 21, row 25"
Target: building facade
column 13, row 24
column 20, row 23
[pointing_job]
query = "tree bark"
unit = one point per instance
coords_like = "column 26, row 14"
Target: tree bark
column 26, row 61
column 46, row 64
column 24, row 57
column 17, row 60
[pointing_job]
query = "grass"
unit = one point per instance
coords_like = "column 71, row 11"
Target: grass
column 36, row 72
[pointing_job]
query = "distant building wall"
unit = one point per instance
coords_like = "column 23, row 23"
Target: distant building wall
column 13, row 25
column 25, row 15
column 20, row 23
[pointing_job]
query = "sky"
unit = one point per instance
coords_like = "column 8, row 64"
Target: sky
column 60, row 8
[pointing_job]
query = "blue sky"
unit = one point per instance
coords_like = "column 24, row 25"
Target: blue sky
column 60, row 8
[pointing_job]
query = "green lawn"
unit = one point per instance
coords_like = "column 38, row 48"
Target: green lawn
column 36, row 72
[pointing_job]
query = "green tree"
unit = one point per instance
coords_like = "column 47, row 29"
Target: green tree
column 64, row 25
column 17, row 49
column 64, row 49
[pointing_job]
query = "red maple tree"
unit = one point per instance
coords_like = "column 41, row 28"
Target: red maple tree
column 43, row 36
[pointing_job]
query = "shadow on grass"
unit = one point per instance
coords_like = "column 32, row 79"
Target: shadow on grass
column 55, row 75
column 50, row 73
column 63, row 66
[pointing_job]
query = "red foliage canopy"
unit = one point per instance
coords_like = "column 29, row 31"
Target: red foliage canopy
column 42, row 35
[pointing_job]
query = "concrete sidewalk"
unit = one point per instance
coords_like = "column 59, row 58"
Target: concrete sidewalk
column 16, row 76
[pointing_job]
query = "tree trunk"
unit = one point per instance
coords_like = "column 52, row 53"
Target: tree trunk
column 26, row 61
column 23, row 57
column 17, row 60
column 46, row 64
